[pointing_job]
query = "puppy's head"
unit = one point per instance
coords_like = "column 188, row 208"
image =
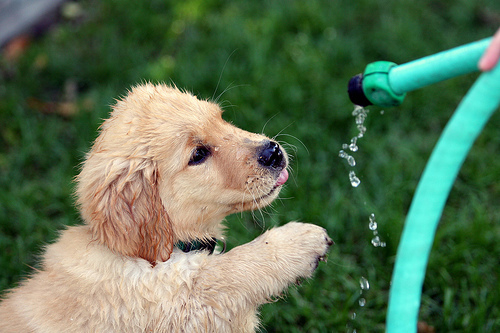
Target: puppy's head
column 166, row 167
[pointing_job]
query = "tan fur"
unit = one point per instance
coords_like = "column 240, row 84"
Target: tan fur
column 139, row 194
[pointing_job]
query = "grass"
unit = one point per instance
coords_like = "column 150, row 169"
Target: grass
column 279, row 67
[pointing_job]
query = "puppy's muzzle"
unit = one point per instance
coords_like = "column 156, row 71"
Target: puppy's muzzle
column 271, row 156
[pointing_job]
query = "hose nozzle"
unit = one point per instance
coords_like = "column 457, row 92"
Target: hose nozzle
column 373, row 87
column 355, row 91
column 385, row 84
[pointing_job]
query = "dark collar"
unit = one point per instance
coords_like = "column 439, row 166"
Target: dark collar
column 199, row 245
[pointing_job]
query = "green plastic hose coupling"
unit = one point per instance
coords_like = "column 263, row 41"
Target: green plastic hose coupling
column 376, row 85
column 373, row 87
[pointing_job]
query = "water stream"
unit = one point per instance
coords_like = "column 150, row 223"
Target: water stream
column 360, row 115
column 348, row 150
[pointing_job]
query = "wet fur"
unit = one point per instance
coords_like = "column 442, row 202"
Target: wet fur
column 139, row 194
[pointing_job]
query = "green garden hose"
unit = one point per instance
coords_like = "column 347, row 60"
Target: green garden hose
column 384, row 83
column 442, row 168
column 430, row 197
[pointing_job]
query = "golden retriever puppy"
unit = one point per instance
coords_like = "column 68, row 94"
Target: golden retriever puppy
column 153, row 193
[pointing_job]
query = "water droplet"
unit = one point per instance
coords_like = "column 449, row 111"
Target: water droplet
column 353, row 179
column 353, row 146
column 240, row 154
column 373, row 224
column 353, row 315
column 362, row 131
column 345, row 146
column 363, row 282
column 216, row 148
column 376, row 241
column 362, row 301
column 360, row 119
column 350, row 160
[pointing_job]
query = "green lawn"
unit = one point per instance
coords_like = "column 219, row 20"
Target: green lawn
column 280, row 67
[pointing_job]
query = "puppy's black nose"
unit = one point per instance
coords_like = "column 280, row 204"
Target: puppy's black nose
column 272, row 156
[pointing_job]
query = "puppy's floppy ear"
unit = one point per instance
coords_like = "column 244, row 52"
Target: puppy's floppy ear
column 119, row 199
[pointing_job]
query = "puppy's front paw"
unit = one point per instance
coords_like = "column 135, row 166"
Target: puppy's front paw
column 301, row 246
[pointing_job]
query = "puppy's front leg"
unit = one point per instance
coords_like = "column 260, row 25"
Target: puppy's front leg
column 258, row 270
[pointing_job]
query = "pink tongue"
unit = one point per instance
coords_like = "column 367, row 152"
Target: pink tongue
column 283, row 177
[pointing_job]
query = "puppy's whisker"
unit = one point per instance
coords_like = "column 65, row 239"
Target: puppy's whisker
column 220, row 76
column 288, row 145
column 267, row 122
column 230, row 87
column 280, row 132
column 256, row 204
column 260, row 222
column 262, row 216
column 295, row 178
column 293, row 137
column 271, row 207
column 243, row 200
column 284, row 199
column 216, row 100
column 226, row 104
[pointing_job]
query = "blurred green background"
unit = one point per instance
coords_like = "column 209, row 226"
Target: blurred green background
column 280, row 67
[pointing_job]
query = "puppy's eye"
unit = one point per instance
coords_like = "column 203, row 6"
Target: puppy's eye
column 199, row 155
